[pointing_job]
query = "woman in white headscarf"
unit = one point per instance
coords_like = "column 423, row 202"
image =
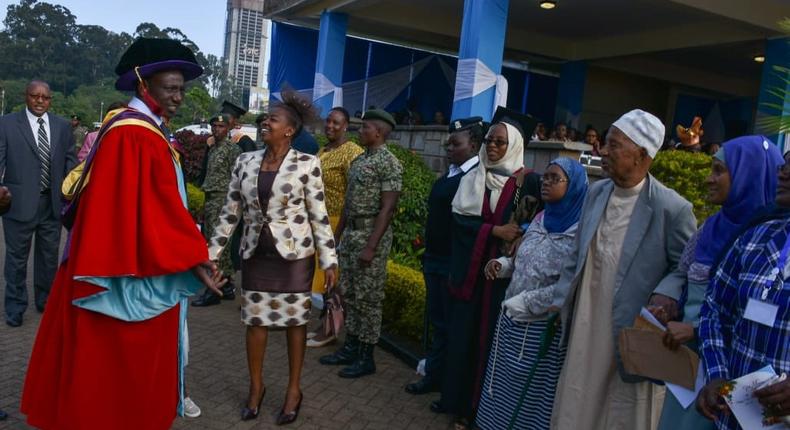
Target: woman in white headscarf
column 488, row 217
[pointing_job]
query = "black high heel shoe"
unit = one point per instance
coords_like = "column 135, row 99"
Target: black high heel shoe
column 250, row 414
column 290, row 417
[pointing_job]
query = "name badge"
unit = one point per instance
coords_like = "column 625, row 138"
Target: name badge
column 761, row 312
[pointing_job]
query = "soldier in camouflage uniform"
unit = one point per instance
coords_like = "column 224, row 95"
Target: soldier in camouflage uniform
column 221, row 159
column 374, row 186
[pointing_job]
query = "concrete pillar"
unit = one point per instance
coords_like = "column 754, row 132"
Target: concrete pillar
column 774, row 97
column 327, row 88
column 570, row 93
column 480, row 58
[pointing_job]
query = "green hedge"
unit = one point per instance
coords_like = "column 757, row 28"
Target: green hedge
column 196, row 199
column 408, row 226
column 404, row 301
column 409, row 222
column 685, row 172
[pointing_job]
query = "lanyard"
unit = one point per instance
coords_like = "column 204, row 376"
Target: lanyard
column 779, row 269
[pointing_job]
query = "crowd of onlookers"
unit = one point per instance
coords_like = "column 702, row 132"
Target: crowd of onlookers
column 531, row 278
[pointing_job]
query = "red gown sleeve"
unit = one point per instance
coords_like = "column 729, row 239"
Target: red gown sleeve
column 131, row 220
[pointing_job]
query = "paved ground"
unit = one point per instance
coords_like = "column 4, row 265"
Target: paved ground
column 217, row 380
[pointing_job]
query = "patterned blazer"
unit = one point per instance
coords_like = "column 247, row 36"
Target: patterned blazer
column 296, row 213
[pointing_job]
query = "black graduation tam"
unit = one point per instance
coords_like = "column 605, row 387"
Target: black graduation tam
column 524, row 123
column 465, row 123
column 232, row 110
column 154, row 55
column 379, row 114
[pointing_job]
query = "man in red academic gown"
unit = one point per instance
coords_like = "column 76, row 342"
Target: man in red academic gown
column 109, row 350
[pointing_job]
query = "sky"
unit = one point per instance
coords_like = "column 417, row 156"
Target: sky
column 203, row 21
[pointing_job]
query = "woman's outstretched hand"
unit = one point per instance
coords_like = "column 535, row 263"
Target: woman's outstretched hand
column 209, row 274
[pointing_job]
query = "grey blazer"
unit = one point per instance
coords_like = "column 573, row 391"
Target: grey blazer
column 661, row 224
column 20, row 169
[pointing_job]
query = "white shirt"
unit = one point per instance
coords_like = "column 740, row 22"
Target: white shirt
column 454, row 170
column 138, row 104
column 33, row 120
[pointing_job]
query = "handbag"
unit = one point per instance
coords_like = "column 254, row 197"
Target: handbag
column 334, row 312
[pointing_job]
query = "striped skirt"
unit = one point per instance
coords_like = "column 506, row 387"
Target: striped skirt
column 513, row 352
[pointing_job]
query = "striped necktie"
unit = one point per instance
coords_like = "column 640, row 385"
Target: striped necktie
column 43, row 154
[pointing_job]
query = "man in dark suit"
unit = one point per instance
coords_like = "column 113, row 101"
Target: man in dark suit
column 5, row 204
column 36, row 153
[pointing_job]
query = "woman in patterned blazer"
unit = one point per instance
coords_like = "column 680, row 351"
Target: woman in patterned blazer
column 279, row 193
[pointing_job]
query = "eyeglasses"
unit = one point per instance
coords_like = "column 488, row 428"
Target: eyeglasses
column 552, row 179
column 498, row 143
column 43, row 97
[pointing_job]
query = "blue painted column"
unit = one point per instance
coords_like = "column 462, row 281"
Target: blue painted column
column 327, row 88
column 777, row 53
column 525, row 96
column 479, row 57
column 570, row 93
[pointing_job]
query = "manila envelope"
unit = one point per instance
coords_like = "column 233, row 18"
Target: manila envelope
column 643, row 353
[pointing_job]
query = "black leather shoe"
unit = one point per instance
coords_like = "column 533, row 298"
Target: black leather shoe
column 288, row 418
column 346, row 355
column 207, row 299
column 3, row 415
column 228, row 291
column 364, row 365
column 13, row 320
column 248, row 414
column 423, row 386
column 437, row 407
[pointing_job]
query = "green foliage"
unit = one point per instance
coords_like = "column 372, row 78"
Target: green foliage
column 196, row 107
column 43, row 41
column 685, row 172
column 193, row 148
column 780, row 96
column 408, row 225
column 781, row 100
column 404, row 301
column 90, row 102
column 196, row 199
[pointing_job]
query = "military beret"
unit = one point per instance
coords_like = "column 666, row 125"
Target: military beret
column 379, row 114
column 220, row 118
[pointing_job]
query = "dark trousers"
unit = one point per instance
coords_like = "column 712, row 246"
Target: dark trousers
column 18, row 240
column 437, row 305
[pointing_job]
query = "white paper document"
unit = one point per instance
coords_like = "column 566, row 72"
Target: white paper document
column 746, row 408
column 685, row 396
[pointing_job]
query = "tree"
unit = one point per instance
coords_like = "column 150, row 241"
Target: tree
column 780, row 92
column 197, row 105
column 39, row 41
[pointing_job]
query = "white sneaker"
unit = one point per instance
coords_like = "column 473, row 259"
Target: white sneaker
column 191, row 410
column 314, row 343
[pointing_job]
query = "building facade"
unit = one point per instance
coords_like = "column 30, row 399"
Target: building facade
column 246, row 39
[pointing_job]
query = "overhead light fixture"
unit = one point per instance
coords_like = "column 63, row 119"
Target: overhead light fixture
column 760, row 58
column 548, row 4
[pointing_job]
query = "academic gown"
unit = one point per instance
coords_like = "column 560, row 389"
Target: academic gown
column 475, row 301
column 107, row 354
